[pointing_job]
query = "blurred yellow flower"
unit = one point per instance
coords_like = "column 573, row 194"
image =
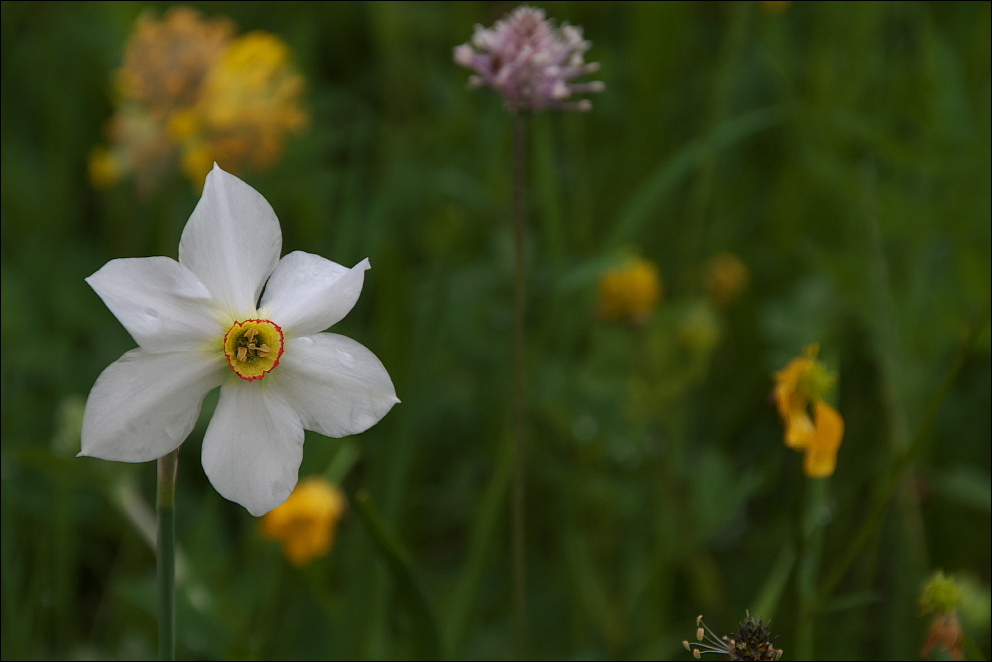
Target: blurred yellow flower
column 725, row 276
column 800, row 387
column 306, row 523
column 249, row 102
column 630, row 292
column 189, row 93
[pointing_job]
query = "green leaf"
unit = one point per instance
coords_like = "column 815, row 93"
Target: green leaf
column 426, row 634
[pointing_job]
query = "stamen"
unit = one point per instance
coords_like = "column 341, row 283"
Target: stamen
column 253, row 348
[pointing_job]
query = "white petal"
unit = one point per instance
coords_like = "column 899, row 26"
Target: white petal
column 144, row 405
column 308, row 293
column 253, row 446
column 231, row 242
column 336, row 385
column 160, row 302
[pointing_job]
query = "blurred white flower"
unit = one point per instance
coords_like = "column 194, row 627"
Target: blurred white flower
column 200, row 323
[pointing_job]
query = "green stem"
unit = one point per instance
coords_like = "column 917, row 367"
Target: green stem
column 519, row 384
column 814, row 520
column 427, row 633
column 166, row 549
column 485, row 526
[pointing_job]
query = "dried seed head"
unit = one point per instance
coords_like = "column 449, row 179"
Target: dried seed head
column 752, row 641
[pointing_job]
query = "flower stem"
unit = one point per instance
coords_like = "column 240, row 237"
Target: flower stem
column 815, row 518
column 166, row 552
column 519, row 384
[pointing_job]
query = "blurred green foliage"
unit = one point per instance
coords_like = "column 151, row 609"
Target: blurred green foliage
column 842, row 150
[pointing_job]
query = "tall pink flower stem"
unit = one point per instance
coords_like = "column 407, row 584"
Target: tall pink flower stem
column 533, row 65
column 519, row 381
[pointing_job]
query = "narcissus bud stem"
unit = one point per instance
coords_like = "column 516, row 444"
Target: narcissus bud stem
column 166, row 552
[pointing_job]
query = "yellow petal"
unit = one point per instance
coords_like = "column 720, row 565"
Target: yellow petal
column 792, row 403
column 799, row 428
column 787, row 398
column 822, row 445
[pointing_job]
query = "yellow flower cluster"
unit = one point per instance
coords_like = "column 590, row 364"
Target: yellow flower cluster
column 190, row 93
column 306, row 523
column 799, row 387
column 630, row 292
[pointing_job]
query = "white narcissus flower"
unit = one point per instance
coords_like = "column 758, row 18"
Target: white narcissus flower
column 200, row 323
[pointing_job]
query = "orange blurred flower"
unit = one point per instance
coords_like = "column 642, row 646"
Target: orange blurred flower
column 799, row 391
column 166, row 61
column 189, row 93
column 306, row 523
